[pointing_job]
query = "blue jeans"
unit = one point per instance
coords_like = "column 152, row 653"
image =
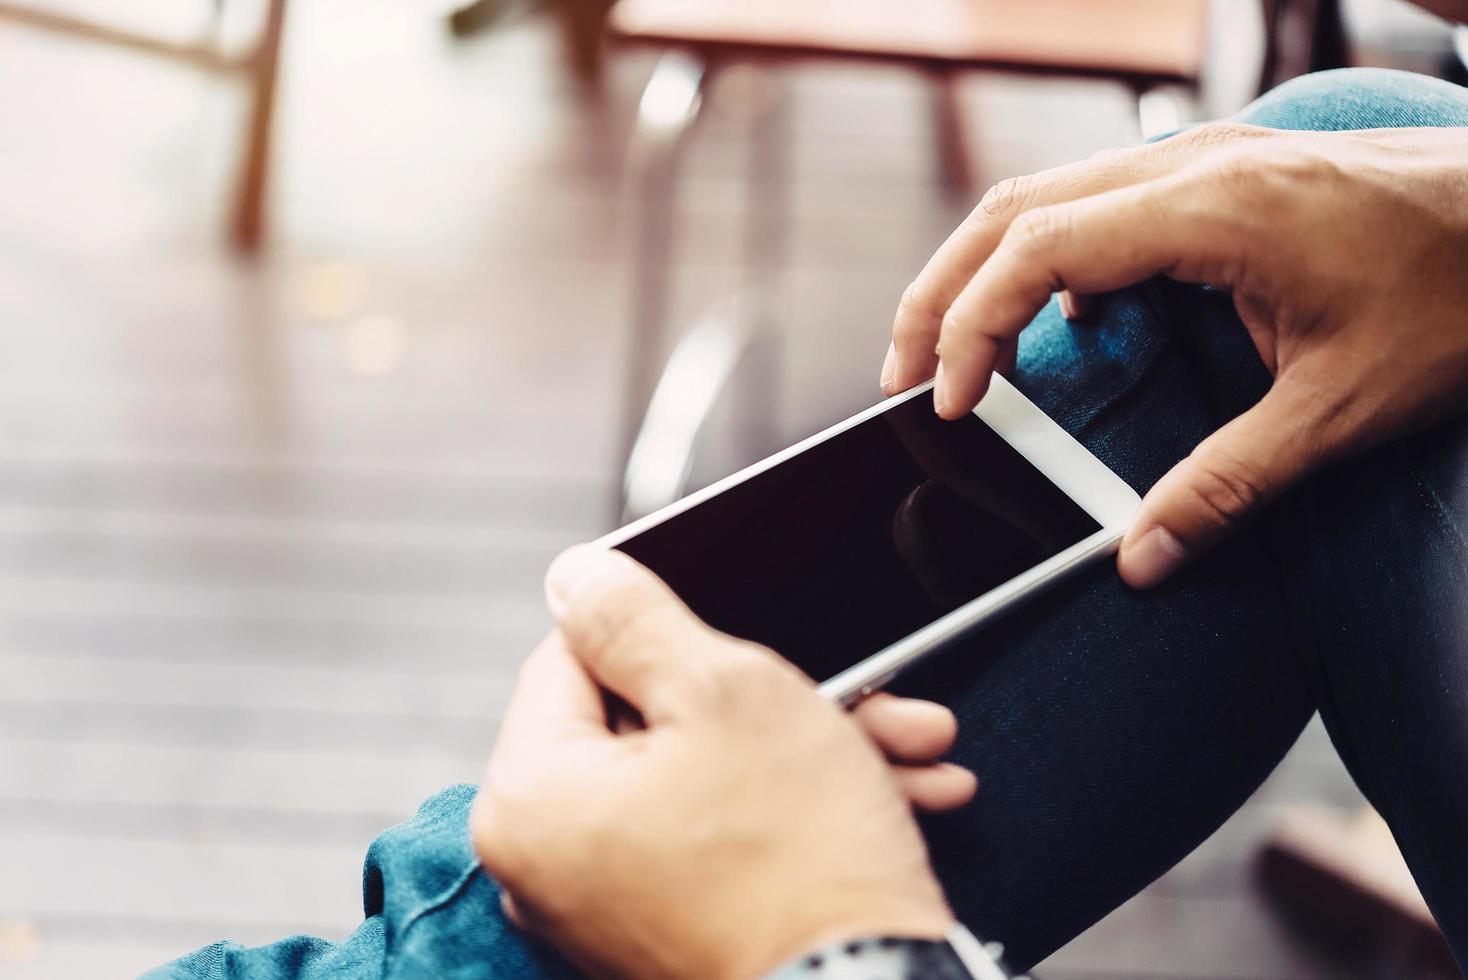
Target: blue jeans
column 1113, row 730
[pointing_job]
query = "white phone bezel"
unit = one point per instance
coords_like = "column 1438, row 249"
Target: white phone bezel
column 1064, row 461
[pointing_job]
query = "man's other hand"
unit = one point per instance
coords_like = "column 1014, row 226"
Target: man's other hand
column 744, row 822
column 1345, row 254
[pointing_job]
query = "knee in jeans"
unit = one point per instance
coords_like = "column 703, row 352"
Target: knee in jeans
column 1360, row 98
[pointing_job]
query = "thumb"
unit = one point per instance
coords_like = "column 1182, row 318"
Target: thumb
column 627, row 629
column 1225, row 480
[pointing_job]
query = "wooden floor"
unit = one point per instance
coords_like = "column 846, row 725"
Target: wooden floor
column 271, row 534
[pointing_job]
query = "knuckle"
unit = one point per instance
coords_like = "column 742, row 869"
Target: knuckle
column 963, row 339
column 1108, row 155
column 1226, row 490
column 717, row 685
column 1217, row 134
column 739, row 676
column 738, row 667
column 616, row 612
column 1295, row 166
column 918, row 306
column 1239, row 171
column 1275, row 180
column 1003, row 198
column 954, row 333
column 1040, row 230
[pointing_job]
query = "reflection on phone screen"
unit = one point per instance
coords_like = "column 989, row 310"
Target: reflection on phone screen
column 865, row 538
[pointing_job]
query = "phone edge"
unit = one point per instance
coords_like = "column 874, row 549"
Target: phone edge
column 1108, row 499
column 868, row 676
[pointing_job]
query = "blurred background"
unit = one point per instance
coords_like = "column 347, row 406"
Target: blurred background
column 325, row 324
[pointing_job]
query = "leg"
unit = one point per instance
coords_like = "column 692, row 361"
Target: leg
column 248, row 224
column 1114, row 731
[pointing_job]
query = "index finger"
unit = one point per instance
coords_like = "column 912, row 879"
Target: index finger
column 1174, row 226
column 553, row 692
column 916, row 329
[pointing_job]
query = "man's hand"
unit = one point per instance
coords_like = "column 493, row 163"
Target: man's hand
column 744, row 823
column 1347, row 258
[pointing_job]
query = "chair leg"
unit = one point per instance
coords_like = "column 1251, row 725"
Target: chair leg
column 1159, row 111
column 668, row 109
column 583, row 26
column 955, row 155
column 1271, row 13
column 697, row 372
column 248, row 224
column 704, row 362
column 765, row 260
column 1329, row 45
column 1302, row 36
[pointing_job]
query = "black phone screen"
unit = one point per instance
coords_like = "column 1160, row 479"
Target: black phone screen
column 864, row 538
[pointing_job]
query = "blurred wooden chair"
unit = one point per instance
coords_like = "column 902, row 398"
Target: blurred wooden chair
column 1153, row 47
column 1341, row 881
column 259, row 67
column 1301, row 36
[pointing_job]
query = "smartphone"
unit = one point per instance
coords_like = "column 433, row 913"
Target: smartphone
column 868, row 546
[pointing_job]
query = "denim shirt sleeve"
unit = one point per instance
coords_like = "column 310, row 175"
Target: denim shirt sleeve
column 429, row 910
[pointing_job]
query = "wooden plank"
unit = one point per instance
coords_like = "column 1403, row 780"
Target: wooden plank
column 255, row 726
column 246, row 553
column 60, row 958
column 82, row 596
column 435, row 642
column 458, row 694
column 315, row 886
column 207, row 783
column 562, row 444
column 452, row 496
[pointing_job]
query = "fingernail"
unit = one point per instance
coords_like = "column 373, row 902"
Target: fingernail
column 889, row 368
column 915, row 711
column 940, row 390
column 1153, row 558
column 1067, row 305
column 575, row 570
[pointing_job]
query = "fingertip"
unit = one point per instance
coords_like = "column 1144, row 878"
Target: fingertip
column 940, row 722
column 939, row 787
column 1067, row 305
column 889, row 369
column 964, row 784
column 958, row 396
column 511, row 910
column 1151, row 558
column 579, row 568
column 1076, row 306
column 908, row 729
